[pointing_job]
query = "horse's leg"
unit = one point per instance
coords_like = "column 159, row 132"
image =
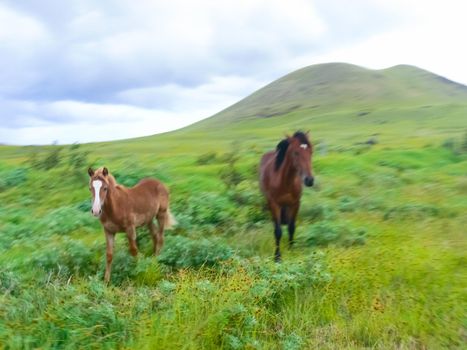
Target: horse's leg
column 276, row 217
column 161, row 219
column 293, row 210
column 110, row 240
column 153, row 230
column 131, row 234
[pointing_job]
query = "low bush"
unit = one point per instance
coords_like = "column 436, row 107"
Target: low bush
column 206, row 158
column 412, row 210
column 250, row 203
column 131, row 175
column 142, row 270
column 65, row 220
column 61, row 221
column 183, row 252
column 9, row 282
column 326, row 232
column 253, row 286
column 71, row 258
column 52, row 158
column 203, row 209
column 72, row 315
column 84, row 206
column 230, row 174
column 12, row 178
column 347, row 204
column 316, row 212
column 229, row 305
column 77, row 159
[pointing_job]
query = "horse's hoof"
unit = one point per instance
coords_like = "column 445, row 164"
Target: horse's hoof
column 277, row 259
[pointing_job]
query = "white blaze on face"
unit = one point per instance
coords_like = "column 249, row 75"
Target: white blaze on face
column 96, row 205
column 304, row 146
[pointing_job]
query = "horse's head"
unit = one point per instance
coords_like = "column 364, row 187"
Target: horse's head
column 299, row 149
column 99, row 187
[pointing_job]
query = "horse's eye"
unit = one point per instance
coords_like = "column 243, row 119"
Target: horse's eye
column 105, row 188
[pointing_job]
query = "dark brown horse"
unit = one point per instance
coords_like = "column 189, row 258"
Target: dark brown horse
column 282, row 173
column 122, row 209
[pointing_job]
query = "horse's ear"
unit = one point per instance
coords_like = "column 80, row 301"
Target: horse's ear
column 90, row 172
column 105, row 171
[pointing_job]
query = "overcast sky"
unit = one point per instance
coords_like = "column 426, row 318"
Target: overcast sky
column 84, row 70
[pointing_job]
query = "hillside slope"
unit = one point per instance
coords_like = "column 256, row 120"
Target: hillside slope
column 329, row 87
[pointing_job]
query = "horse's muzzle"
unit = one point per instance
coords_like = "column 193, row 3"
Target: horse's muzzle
column 309, row 180
column 96, row 213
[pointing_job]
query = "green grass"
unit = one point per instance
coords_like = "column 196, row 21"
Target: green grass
column 380, row 256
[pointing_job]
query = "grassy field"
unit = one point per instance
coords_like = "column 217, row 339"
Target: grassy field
column 380, row 261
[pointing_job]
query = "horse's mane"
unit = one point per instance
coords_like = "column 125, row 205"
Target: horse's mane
column 112, row 181
column 282, row 147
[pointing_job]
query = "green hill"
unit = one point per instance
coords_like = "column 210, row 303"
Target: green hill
column 381, row 246
column 338, row 86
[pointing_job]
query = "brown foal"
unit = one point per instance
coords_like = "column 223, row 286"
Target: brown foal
column 122, row 209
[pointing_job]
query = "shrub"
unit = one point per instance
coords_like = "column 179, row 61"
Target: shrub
column 12, row 178
column 125, row 267
column 230, row 174
column 77, row 315
column 65, row 220
column 183, row 252
column 206, row 158
column 325, row 232
column 71, row 257
column 464, row 143
column 322, row 233
column 52, row 159
column 84, row 206
column 449, row 144
column 275, row 280
column 347, row 204
column 77, row 159
column 250, row 203
column 246, row 193
column 355, row 237
column 61, row 221
column 204, row 209
column 418, row 211
column 9, row 283
column 292, row 342
column 12, row 232
column 19, row 224
column 257, row 285
column 131, row 175
column 317, row 212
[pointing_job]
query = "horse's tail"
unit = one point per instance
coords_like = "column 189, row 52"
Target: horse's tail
column 169, row 220
column 284, row 216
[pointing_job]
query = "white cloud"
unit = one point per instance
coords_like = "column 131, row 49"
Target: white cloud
column 22, row 43
column 216, row 94
column 86, row 122
column 431, row 37
column 83, row 70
